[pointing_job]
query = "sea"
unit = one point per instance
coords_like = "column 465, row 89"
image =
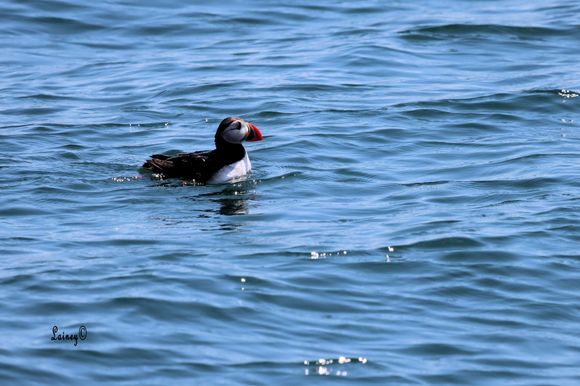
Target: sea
column 412, row 217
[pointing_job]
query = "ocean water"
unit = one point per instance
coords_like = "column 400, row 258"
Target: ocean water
column 413, row 217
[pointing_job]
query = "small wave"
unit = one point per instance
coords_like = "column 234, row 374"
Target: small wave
column 481, row 30
column 63, row 25
column 446, row 243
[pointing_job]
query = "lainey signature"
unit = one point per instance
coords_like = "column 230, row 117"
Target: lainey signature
column 82, row 335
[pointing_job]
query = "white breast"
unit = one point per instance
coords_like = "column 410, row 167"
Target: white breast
column 232, row 172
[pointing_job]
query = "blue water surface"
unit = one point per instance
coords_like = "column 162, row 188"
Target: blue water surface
column 413, row 217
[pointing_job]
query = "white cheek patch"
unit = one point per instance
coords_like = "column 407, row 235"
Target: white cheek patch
column 235, row 133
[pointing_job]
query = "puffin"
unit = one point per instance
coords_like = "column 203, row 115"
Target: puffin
column 228, row 162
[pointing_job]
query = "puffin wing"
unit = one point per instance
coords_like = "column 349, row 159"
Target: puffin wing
column 198, row 166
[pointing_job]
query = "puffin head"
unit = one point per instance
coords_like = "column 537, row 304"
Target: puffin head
column 234, row 131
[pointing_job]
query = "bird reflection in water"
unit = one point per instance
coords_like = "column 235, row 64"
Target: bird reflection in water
column 234, row 202
column 233, row 199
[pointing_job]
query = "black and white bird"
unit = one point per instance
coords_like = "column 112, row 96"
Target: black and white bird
column 228, row 162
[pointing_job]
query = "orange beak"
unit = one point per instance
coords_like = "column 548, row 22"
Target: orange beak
column 254, row 134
